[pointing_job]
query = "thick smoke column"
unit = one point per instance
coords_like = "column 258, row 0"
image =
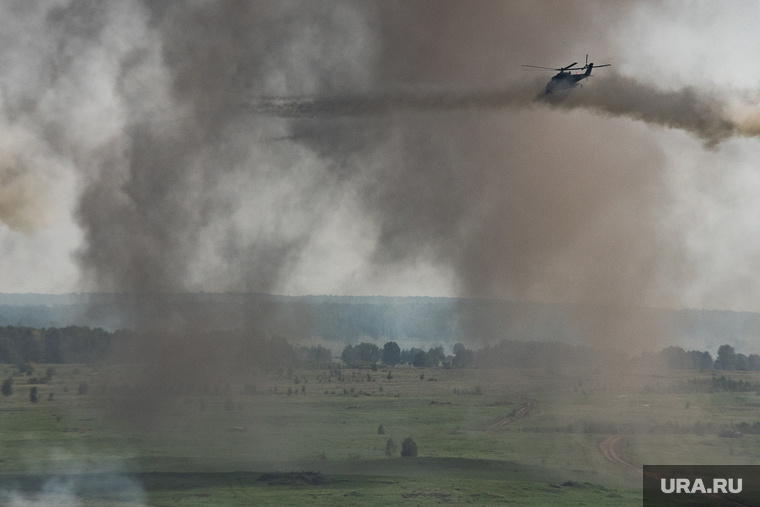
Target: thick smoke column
column 404, row 132
column 183, row 188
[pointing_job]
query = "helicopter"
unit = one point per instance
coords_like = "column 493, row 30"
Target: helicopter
column 566, row 79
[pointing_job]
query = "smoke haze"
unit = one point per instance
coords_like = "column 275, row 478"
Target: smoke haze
column 183, row 189
column 469, row 172
column 341, row 147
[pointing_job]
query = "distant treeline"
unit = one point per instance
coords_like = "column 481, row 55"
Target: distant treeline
column 353, row 319
column 73, row 344
column 83, row 345
column 521, row 354
column 728, row 359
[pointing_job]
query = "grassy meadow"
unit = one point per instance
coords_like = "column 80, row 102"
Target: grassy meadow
column 321, row 437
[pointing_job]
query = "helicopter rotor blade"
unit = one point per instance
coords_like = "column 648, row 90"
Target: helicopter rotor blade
column 537, row 67
column 604, row 65
column 568, row 67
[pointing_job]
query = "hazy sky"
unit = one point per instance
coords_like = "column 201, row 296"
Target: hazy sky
column 130, row 159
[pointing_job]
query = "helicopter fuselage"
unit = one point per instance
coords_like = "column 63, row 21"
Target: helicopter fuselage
column 565, row 80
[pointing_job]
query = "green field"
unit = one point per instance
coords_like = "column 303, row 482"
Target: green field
column 312, row 437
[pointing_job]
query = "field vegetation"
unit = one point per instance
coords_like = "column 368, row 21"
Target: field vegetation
column 486, row 436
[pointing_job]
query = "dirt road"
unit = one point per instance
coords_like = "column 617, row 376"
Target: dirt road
column 611, row 447
column 528, row 405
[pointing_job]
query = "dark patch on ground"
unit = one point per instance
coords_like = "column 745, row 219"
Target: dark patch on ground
column 293, row 478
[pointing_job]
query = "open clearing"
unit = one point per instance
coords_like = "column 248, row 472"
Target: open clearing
column 320, row 437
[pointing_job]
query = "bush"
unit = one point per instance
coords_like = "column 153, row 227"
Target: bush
column 380, row 430
column 7, row 388
column 390, row 447
column 408, row 448
column 33, row 394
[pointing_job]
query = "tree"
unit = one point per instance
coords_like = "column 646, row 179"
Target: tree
column 391, row 354
column 367, row 353
column 420, row 359
column 462, row 357
column 7, row 388
column 390, row 447
column 427, row 359
column 701, row 360
column 408, row 448
column 438, row 355
column 348, row 355
column 726, row 358
column 362, row 353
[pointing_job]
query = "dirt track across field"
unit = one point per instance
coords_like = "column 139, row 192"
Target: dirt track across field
column 524, row 410
column 610, row 448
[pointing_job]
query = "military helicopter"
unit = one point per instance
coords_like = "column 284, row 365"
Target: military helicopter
column 566, row 79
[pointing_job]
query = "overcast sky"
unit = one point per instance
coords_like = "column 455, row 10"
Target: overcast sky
column 130, row 159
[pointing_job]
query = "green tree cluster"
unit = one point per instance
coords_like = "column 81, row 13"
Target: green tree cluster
column 363, row 353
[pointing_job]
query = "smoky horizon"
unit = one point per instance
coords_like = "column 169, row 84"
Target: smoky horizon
column 392, row 148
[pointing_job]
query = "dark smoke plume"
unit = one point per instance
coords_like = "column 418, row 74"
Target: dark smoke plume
column 326, row 107
column 703, row 114
column 182, row 188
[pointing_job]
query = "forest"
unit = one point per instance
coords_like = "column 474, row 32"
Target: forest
column 73, row 344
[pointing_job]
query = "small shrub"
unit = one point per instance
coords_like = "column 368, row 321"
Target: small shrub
column 408, row 448
column 33, row 394
column 7, row 388
column 380, row 430
column 390, row 447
